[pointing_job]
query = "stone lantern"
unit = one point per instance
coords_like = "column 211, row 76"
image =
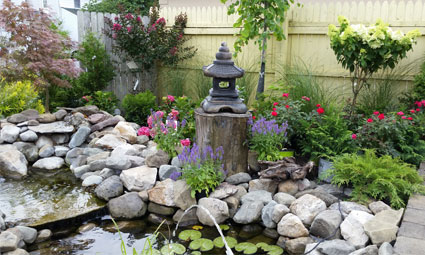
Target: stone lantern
column 224, row 96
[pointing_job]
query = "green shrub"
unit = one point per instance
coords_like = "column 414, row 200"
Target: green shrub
column 18, row 96
column 106, row 101
column 382, row 178
column 138, row 107
column 116, row 6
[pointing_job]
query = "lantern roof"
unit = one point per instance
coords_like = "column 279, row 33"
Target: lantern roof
column 223, row 66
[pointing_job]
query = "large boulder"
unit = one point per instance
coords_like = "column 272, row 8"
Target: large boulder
column 30, row 150
column 110, row 141
column 8, row 241
column 127, row 206
column 297, row 245
column 258, row 195
column 383, row 226
column 352, row 228
column 249, row 213
column 279, row 211
column 263, row 184
column 118, row 162
column 29, row 234
column 326, row 223
column 9, row 133
column 166, row 170
column 13, row 164
column 17, row 118
column 378, row 206
column 288, row 186
column 307, row 208
column 105, row 123
column 28, row 136
column 158, row 159
column 46, row 118
column 336, row 247
column 223, row 191
column 319, row 192
column 217, row 209
column 125, row 129
column 139, row 178
column 59, row 115
column 284, row 198
column 79, row 137
column 267, row 215
column 291, row 226
column 172, row 193
column 238, row 178
column 49, row 163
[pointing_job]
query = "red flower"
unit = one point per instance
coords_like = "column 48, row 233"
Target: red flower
column 143, row 131
column 170, row 98
column 403, row 117
column 381, row 116
column 274, row 109
column 287, row 106
column 129, row 29
column 138, row 19
column 400, row 113
column 185, row 142
column 412, row 111
column 253, row 117
column 285, row 95
column 129, row 16
column 116, row 27
column 376, row 113
column 410, row 118
column 274, row 113
column 354, row 136
column 275, row 103
column 370, row 120
column 320, row 110
column 305, row 98
column 418, row 109
column 318, row 105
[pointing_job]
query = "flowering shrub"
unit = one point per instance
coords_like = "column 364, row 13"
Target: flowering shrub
column 202, row 170
column 363, row 50
column 147, row 44
column 268, row 139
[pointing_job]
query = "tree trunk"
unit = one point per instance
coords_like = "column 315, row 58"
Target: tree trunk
column 260, row 86
column 228, row 130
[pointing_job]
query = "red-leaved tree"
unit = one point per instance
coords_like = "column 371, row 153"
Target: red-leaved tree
column 33, row 48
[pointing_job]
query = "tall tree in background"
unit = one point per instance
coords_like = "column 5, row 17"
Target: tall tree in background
column 117, row 6
column 259, row 19
column 34, row 49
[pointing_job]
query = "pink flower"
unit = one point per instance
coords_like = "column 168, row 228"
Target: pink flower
column 320, row 110
column 403, row 117
column 370, row 120
column 287, row 106
column 116, row 18
column 129, row 29
column 305, row 98
column 318, row 105
column 274, row 109
column 171, row 98
column 422, row 102
column 275, row 103
column 173, row 51
column 114, row 36
column 418, row 109
column 116, row 27
column 150, row 121
column 87, row 98
column 138, row 19
column 400, row 113
column 412, row 111
column 410, row 118
column 160, row 113
column 174, row 114
column 274, row 114
column 354, row 136
column 376, row 113
column 179, row 37
column 160, row 21
column 381, row 116
column 129, row 16
column 185, row 142
column 285, row 95
column 143, row 131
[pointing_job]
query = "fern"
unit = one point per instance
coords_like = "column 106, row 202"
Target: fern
column 382, row 178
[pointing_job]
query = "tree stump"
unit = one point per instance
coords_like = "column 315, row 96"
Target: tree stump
column 228, row 130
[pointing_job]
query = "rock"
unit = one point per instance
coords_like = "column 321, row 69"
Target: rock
column 31, row 114
column 92, row 151
column 241, row 192
column 149, row 151
column 347, row 207
column 258, row 195
column 160, row 209
column 76, row 120
column 233, row 204
column 8, row 241
column 9, row 133
column 383, row 226
column 49, row 163
column 29, row 234
column 60, row 138
column 2, row 224
column 79, row 137
column 18, row 251
column 60, row 151
column 144, row 195
column 291, row 226
column 99, row 156
column 284, row 198
column 279, row 211
column 307, row 208
column 288, row 186
column 43, row 235
column 189, row 219
column 55, row 127
column 369, row 250
column 46, row 118
column 22, row 129
column 92, row 180
column 110, row 141
column 127, row 226
column 263, row 184
column 97, row 165
column 87, row 227
column 126, row 150
column 59, row 115
column 297, row 245
column 13, row 164
column 139, row 178
column 217, row 208
column 109, row 188
column 303, row 184
column 166, row 170
column 253, row 161
column 310, row 249
column 271, row 232
column 17, row 118
column 378, row 206
column 223, row 191
column 142, row 139
column 332, row 189
column 335, row 247
column 157, row 219
column 33, row 123
column 136, row 161
column 96, row 118
column 127, row 206
column 319, row 193
column 352, row 228
column 28, row 136
column 118, row 163
column 385, row 249
column 84, row 176
column 125, row 129
column 158, row 159
column 43, row 140
column 238, row 178
column 326, row 223
column 87, row 110
column 106, row 123
column 46, row 151
column 163, row 193
column 176, row 162
column 267, row 214
column 248, row 213
column 79, row 171
column 106, row 173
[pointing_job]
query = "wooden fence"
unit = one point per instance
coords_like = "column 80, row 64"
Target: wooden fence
column 305, row 29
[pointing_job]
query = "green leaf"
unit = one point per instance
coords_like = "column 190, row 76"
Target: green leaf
column 231, row 242
column 247, row 248
column 202, row 244
column 187, row 235
column 224, row 227
column 150, row 252
column 172, row 249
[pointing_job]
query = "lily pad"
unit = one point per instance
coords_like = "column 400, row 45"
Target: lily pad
column 202, row 244
column 150, row 252
column 262, row 245
column 224, row 227
column 196, row 253
column 172, row 249
column 274, row 250
column 218, row 242
column 189, row 235
column 246, row 248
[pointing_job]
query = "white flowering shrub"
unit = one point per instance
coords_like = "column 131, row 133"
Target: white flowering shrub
column 365, row 49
